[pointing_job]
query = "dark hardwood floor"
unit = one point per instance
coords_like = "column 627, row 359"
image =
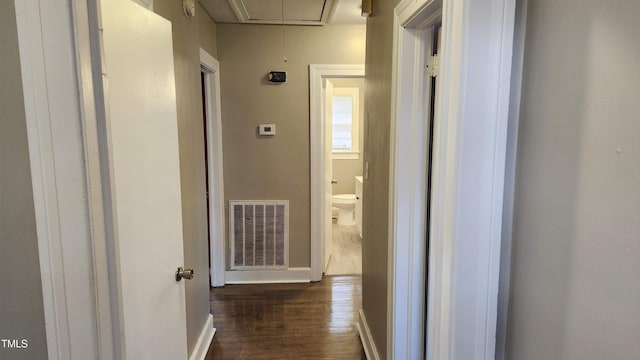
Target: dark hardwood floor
column 287, row 321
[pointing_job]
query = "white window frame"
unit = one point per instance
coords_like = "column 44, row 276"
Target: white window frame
column 354, row 94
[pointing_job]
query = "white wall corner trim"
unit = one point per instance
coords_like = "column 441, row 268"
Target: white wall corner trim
column 204, row 340
column 468, row 169
column 211, row 68
column 368, row 344
column 318, row 143
column 291, row 275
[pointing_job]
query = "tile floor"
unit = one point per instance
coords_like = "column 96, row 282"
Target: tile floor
column 345, row 251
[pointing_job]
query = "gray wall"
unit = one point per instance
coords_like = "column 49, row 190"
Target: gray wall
column 275, row 168
column 575, row 262
column 376, row 151
column 207, row 31
column 187, row 41
column 345, row 170
column 21, row 309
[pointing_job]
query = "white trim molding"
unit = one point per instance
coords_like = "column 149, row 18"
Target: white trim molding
column 408, row 191
column 211, row 68
column 204, row 340
column 317, row 74
column 291, row 275
column 57, row 75
column 353, row 155
column 38, row 119
column 468, row 169
column 366, row 338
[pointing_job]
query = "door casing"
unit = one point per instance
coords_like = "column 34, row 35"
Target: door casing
column 320, row 223
column 62, row 43
column 211, row 69
column 470, row 145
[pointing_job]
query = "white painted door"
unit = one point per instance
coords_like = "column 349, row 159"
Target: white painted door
column 143, row 157
column 328, row 165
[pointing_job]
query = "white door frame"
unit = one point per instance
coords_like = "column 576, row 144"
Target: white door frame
column 317, row 74
column 43, row 44
column 211, row 68
column 470, row 138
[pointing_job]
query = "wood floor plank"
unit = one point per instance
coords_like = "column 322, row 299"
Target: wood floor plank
column 288, row 321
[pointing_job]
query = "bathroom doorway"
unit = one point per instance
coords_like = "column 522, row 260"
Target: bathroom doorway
column 336, row 82
column 344, row 122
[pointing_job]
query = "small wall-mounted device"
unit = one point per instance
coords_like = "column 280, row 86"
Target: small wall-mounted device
column 277, row 76
column 267, row 129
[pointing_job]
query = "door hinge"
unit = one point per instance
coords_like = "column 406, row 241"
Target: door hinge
column 433, row 66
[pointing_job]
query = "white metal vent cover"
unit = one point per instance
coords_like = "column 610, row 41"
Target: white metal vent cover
column 259, row 234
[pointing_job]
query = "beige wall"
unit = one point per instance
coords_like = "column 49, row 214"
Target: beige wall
column 187, row 40
column 207, row 31
column 21, row 309
column 376, row 152
column 575, row 263
column 275, row 168
column 345, row 170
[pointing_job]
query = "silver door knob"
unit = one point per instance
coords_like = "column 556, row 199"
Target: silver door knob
column 184, row 274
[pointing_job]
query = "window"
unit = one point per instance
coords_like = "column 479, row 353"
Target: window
column 342, row 124
column 345, row 124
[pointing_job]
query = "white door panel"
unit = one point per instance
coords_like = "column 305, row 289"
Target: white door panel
column 144, row 163
column 328, row 195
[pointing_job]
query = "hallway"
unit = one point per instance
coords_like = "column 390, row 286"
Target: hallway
column 287, row 321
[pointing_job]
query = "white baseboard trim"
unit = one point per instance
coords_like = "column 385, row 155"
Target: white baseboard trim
column 291, row 275
column 204, row 340
column 365, row 337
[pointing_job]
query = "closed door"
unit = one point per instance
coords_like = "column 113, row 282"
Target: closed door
column 140, row 104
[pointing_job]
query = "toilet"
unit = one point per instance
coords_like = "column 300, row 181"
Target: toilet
column 346, row 204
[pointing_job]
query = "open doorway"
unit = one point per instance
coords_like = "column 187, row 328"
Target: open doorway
column 210, row 77
column 322, row 79
column 344, row 120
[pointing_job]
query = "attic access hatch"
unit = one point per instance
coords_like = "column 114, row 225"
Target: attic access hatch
column 296, row 12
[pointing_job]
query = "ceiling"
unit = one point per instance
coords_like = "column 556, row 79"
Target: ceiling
column 296, row 12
